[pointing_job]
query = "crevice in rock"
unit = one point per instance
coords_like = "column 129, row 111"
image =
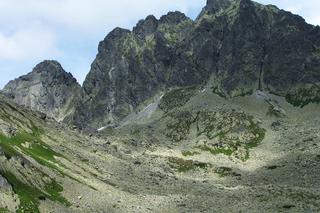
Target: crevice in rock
column 261, row 72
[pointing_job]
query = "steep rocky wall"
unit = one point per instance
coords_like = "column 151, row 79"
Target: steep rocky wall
column 242, row 45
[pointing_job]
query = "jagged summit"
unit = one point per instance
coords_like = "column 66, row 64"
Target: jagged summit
column 146, row 27
column 173, row 18
column 48, row 88
column 240, row 45
column 48, row 65
column 215, row 6
column 53, row 70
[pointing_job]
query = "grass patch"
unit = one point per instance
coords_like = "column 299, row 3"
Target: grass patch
column 31, row 145
column 259, row 134
column 37, row 149
column 2, row 210
column 29, row 196
column 179, row 127
column 215, row 151
column 304, row 96
column 228, row 133
column 216, row 91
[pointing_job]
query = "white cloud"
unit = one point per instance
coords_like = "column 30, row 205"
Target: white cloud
column 86, row 15
column 56, row 21
column 27, row 44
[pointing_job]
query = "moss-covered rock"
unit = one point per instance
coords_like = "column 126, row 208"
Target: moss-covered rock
column 176, row 98
column 303, row 96
column 229, row 133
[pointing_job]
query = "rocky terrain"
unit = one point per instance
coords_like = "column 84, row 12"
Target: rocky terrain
column 208, row 154
column 217, row 114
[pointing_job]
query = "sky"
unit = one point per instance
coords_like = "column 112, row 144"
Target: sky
column 69, row 30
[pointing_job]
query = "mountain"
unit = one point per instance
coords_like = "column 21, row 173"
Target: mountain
column 235, row 46
column 48, row 89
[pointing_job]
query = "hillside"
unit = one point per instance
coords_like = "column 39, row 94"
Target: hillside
column 204, row 153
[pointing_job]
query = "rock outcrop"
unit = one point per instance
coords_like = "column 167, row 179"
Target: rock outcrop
column 48, row 89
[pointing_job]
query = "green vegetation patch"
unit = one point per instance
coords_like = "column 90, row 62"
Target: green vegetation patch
column 179, row 127
column 217, row 91
column 29, row 196
column 132, row 46
column 2, row 210
column 304, row 96
column 229, row 133
column 175, row 33
column 182, row 165
column 215, row 151
column 31, row 145
column 176, row 98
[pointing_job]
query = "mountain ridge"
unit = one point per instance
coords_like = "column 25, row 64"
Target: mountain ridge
column 235, row 46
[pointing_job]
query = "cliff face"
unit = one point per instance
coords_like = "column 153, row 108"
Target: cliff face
column 241, row 46
column 133, row 66
column 48, row 89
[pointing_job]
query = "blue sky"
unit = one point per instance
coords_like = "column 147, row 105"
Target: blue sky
column 69, row 30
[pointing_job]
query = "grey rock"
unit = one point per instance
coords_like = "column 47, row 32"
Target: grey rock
column 48, row 89
column 4, row 185
column 146, row 27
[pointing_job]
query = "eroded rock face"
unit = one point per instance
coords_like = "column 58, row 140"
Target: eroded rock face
column 48, row 89
column 133, row 66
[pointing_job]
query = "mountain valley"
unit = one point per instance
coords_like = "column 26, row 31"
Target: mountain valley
column 217, row 114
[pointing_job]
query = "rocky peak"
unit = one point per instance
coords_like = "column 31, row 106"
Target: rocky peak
column 116, row 34
column 146, row 27
column 111, row 40
column 245, row 4
column 48, row 89
column 48, row 66
column 53, row 72
column 215, row 6
column 173, row 18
